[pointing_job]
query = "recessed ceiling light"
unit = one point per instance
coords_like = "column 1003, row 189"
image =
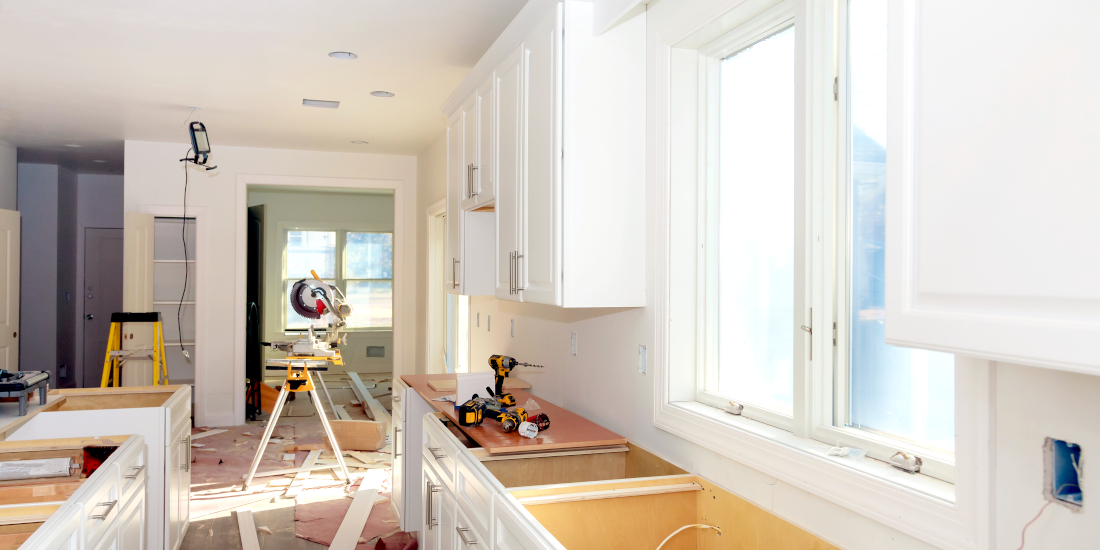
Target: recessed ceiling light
column 99, row 161
column 73, row 145
column 381, row 94
column 321, row 103
column 360, row 142
column 343, row 55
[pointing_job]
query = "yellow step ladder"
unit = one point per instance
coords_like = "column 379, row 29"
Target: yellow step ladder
column 116, row 356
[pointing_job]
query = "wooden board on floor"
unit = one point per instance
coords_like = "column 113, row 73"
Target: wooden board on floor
column 301, row 477
column 341, row 414
column 378, row 411
column 451, row 385
column 358, row 435
column 347, row 536
column 247, row 527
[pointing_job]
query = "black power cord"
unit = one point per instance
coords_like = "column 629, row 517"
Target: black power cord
column 186, row 270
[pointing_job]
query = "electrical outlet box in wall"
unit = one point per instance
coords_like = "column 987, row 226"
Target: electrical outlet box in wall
column 1063, row 471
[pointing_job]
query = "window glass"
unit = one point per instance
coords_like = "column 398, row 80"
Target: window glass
column 756, row 224
column 306, row 250
column 902, row 392
column 369, row 255
column 373, row 303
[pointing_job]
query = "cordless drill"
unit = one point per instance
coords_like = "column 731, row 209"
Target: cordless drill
column 509, row 420
column 502, row 365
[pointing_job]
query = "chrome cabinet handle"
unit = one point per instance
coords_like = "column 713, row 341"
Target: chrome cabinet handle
column 462, row 534
column 137, row 470
column 437, row 452
column 110, row 506
column 474, row 188
column 187, row 444
column 396, row 447
column 518, row 288
column 509, row 273
column 432, row 489
column 396, row 398
column 454, row 271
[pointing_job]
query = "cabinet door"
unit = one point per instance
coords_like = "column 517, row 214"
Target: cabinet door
column 469, row 151
column 60, row 532
column 430, row 492
column 174, row 467
column 131, row 524
column 397, row 470
column 483, row 173
column 539, row 265
column 509, row 169
column 514, row 531
column 991, row 247
column 448, row 536
column 456, row 182
column 184, row 489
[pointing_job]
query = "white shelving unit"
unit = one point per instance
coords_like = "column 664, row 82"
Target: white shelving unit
column 169, row 265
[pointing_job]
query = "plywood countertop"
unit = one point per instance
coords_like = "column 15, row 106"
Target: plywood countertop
column 567, row 430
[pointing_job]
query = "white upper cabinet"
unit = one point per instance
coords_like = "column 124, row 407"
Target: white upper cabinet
column 480, row 134
column 456, row 189
column 993, row 231
column 567, row 153
column 469, row 234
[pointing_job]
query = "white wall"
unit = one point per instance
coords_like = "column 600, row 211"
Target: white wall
column 99, row 205
column 38, row 267
column 154, row 178
column 431, row 169
column 9, row 177
column 368, row 212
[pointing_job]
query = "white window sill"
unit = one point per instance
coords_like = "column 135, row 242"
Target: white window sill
column 927, row 485
column 920, row 505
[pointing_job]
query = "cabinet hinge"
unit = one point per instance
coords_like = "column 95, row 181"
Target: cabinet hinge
column 834, row 333
column 836, row 88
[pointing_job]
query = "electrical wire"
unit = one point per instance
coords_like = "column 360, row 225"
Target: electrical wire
column 1028, row 524
column 183, row 294
column 699, row 525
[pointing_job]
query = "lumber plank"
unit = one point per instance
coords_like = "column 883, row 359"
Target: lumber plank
column 206, row 433
column 341, row 413
column 247, row 527
column 291, row 471
column 302, row 476
column 360, row 435
column 347, row 536
column 379, row 412
column 611, row 493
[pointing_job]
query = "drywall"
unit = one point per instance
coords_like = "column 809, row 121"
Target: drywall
column 38, row 267
column 99, row 204
column 431, row 169
column 154, row 180
column 285, row 210
column 67, row 291
column 9, row 177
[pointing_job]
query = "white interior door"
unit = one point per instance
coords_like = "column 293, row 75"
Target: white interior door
column 509, row 130
column 540, row 220
column 9, row 290
column 137, row 264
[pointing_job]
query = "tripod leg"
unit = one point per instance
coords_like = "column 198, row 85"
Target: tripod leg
column 331, row 438
column 267, row 435
column 321, row 379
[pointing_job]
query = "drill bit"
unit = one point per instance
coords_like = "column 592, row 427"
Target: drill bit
column 529, row 365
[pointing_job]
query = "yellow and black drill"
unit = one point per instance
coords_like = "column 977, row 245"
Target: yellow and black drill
column 502, row 365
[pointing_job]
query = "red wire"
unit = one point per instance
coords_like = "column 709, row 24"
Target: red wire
column 1028, row 524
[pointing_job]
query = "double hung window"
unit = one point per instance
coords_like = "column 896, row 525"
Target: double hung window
column 358, row 263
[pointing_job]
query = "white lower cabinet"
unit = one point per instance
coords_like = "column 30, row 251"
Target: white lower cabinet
column 407, row 481
column 512, row 531
column 131, row 528
column 437, row 532
column 64, row 534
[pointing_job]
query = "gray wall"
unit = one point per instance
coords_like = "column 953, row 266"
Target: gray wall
column 9, row 170
column 38, row 267
column 99, row 204
column 67, row 289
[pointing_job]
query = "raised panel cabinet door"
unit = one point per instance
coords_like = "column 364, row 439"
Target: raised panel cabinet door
column 448, row 506
column 60, row 532
column 508, row 79
column 469, row 151
column 484, row 174
column 991, row 248
column 430, row 492
column 174, row 468
column 539, row 265
column 456, row 186
column 397, row 470
column 184, row 494
column 131, row 524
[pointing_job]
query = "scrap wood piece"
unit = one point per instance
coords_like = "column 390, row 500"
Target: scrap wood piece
column 300, row 479
column 366, row 457
column 347, row 536
column 341, row 413
column 206, row 433
column 293, row 448
column 379, row 412
column 247, row 527
column 290, row 471
column 360, row 435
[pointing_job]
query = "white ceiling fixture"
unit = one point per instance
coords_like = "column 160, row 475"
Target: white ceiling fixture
column 100, row 161
column 321, row 103
column 74, row 145
column 259, row 60
column 381, row 94
column 343, row 55
column 360, row 142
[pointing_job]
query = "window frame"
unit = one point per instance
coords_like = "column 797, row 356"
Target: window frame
column 340, row 269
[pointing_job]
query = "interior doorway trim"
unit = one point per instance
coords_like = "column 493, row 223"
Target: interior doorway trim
column 434, row 291
column 404, row 314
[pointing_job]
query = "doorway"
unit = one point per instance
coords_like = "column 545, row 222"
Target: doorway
column 448, row 314
column 103, row 253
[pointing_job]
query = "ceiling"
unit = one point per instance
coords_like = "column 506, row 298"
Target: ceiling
column 97, row 73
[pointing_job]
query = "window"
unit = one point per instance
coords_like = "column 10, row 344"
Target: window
column 788, row 284
column 358, row 263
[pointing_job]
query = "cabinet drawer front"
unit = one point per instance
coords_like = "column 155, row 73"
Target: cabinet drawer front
column 399, row 389
column 516, row 530
column 475, row 494
column 102, row 503
column 132, row 468
column 440, row 450
column 179, row 411
column 469, row 536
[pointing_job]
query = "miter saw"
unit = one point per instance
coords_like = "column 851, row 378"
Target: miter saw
column 328, row 308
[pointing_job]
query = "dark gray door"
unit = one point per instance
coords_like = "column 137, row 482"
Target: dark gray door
column 102, row 296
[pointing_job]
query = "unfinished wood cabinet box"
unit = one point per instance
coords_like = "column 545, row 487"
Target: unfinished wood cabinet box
column 573, row 466
column 26, row 506
column 640, row 513
column 161, row 414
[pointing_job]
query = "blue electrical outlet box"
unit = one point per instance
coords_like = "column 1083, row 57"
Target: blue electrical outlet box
column 1064, row 468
